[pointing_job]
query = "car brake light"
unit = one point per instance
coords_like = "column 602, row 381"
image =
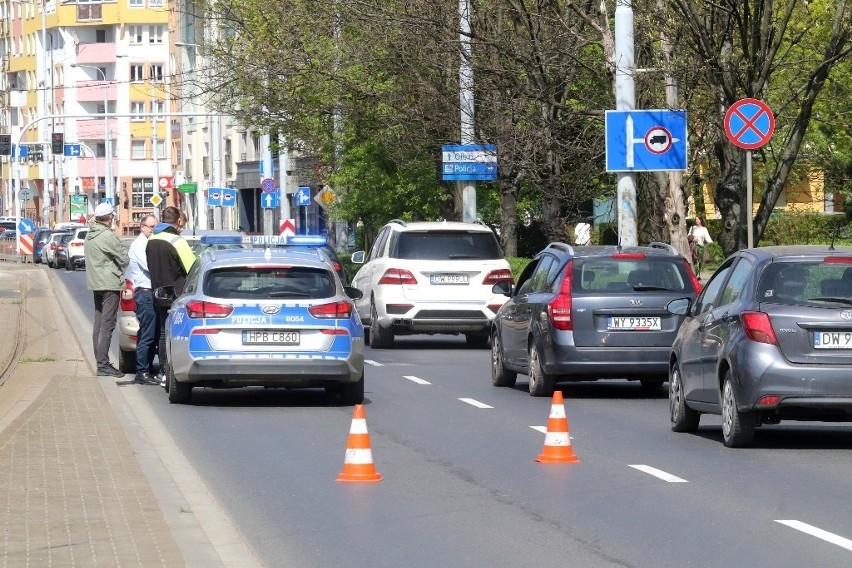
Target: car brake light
column 199, row 309
column 498, row 275
column 628, row 256
column 768, row 401
column 126, row 303
column 338, row 310
column 837, row 260
column 696, row 284
column 758, row 328
column 334, row 331
column 559, row 308
column 397, row 276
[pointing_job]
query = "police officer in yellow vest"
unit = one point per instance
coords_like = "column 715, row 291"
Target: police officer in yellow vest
column 170, row 259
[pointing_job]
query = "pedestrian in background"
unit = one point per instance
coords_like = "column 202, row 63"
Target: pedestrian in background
column 701, row 238
column 106, row 259
column 147, row 337
column 170, row 259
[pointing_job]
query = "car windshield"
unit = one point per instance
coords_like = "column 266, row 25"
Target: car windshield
column 273, row 282
column 806, row 283
column 631, row 275
column 447, row 245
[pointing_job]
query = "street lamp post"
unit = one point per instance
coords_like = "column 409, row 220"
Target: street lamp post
column 107, row 141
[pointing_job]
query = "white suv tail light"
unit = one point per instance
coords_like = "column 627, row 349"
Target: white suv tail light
column 397, row 276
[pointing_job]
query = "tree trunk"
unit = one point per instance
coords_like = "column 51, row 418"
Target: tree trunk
column 509, row 218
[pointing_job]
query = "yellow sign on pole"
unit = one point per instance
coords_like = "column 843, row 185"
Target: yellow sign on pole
column 325, row 197
column 156, row 200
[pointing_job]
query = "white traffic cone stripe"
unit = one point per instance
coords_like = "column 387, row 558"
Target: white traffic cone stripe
column 358, row 456
column 557, row 439
column 557, row 411
column 359, row 426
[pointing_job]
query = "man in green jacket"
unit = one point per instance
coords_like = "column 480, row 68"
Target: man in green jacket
column 106, row 259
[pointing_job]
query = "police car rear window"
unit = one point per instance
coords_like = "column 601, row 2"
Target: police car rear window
column 258, row 283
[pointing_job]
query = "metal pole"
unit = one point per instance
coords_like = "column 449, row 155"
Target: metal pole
column 283, row 168
column 749, row 198
column 466, row 188
column 625, row 99
column 216, row 148
column 267, row 173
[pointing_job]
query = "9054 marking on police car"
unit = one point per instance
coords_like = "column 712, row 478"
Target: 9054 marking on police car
column 270, row 337
column 637, row 323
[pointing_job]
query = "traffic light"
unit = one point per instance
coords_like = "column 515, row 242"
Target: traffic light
column 5, row 144
column 57, row 143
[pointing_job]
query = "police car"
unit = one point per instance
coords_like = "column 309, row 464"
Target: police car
column 260, row 315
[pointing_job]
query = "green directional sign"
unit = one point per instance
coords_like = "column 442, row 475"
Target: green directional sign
column 188, row 187
column 78, row 206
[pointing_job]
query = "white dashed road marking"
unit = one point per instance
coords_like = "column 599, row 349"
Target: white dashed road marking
column 819, row 533
column 474, row 402
column 417, row 380
column 659, row 473
column 373, row 363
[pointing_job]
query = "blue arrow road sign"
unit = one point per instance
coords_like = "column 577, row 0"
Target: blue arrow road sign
column 645, row 140
column 270, row 200
column 72, row 150
column 229, row 197
column 26, row 226
column 23, row 149
column 303, row 196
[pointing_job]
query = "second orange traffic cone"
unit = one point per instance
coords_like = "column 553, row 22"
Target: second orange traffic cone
column 557, row 441
column 358, row 463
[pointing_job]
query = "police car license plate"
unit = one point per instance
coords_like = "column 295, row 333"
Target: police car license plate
column 636, row 323
column 269, row 337
column 833, row 340
column 449, row 279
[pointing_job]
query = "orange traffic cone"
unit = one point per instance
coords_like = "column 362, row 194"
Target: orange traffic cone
column 557, row 441
column 358, row 464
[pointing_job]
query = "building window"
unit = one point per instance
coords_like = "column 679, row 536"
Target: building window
column 89, row 12
column 157, row 73
column 134, row 34
column 136, row 3
column 100, row 36
column 160, row 149
column 136, row 73
column 155, row 33
column 137, row 150
column 143, row 190
column 137, row 110
column 159, row 108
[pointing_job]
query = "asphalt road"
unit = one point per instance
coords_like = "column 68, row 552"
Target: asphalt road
column 462, row 488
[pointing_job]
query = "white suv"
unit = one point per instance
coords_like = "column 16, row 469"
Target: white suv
column 76, row 255
column 430, row 277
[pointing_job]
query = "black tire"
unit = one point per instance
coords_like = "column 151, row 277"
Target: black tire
column 500, row 375
column 737, row 427
column 541, row 384
column 179, row 393
column 476, row 339
column 683, row 418
column 380, row 338
column 126, row 361
column 352, row 393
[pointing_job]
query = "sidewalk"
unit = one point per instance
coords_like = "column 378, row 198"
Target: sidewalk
column 72, row 491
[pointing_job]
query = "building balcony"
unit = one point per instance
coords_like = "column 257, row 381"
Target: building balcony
column 93, row 91
column 95, row 53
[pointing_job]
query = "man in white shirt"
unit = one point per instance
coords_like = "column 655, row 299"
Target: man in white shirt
column 137, row 272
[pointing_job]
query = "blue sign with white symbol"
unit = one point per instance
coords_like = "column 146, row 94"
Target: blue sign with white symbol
column 108, row 200
column 645, row 140
column 72, row 150
column 303, row 196
column 23, row 149
column 749, row 123
column 270, row 200
column 214, row 196
column 229, row 197
column 26, row 226
column 469, row 162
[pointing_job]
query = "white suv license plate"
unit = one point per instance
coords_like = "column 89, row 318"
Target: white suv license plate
column 833, row 340
column 449, row 279
column 270, row 337
column 634, row 323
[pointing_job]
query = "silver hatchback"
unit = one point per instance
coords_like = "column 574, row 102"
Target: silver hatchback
column 769, row 339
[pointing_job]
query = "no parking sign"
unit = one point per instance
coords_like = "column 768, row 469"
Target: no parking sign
column 749, row 123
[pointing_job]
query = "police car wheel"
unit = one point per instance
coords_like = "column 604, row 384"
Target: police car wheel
column 179, row 393
column 352, row 393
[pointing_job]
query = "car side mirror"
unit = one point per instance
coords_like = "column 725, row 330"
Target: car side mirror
column 165, row 294
column 353, row 293
column 504, row 287
column 357, row 257
column 679, row 307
